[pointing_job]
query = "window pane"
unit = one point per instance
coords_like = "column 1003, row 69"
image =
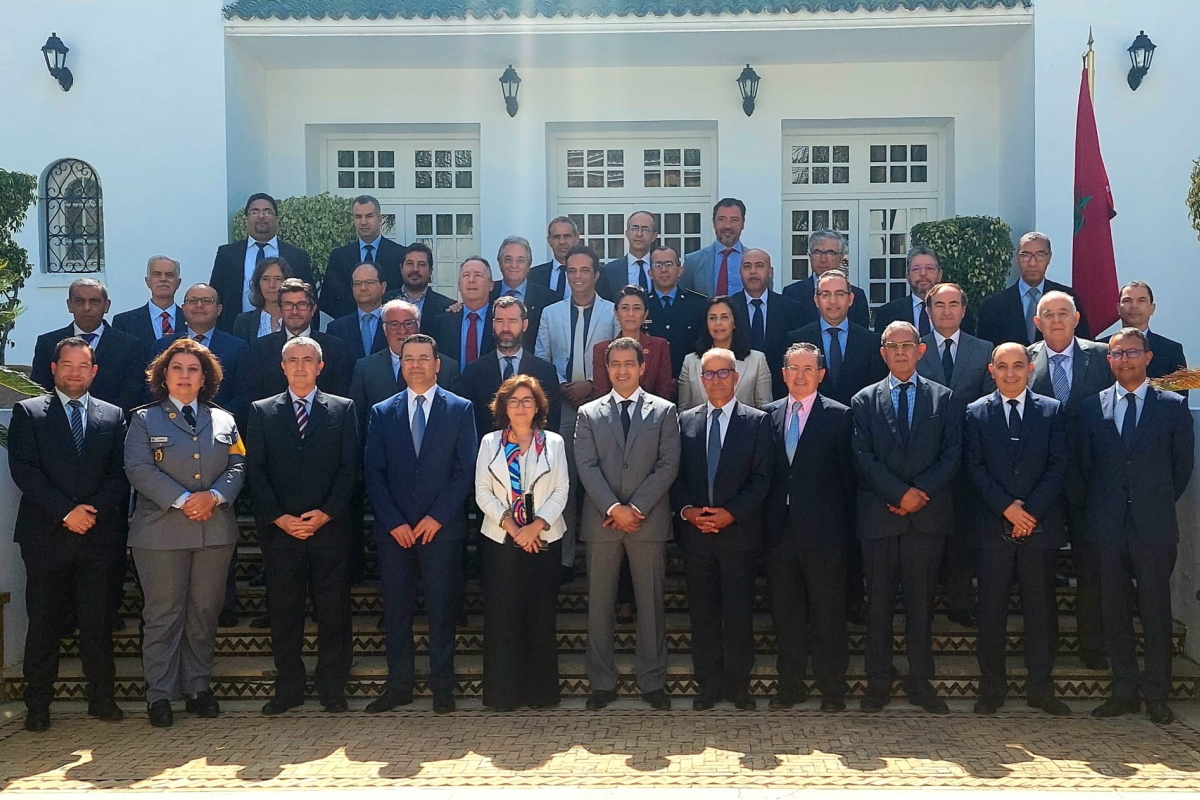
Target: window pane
column 800, row 154
column 445, row 224
column 462, row 179
column 366, row 180
column 575, row 158
column 672, row 224
column 345, row 158
column 595, row 178
column 465, row 224
column 899, row 175
column 691, row 178
column 841, row 154
column 691, row 157
column 920, row 152
column 652, row 180
column 616, row 223
column 691, row 244
column 462, row 159
column 387, row 159
column 800, row 220
column 878, row 174
column 574, row 179
column 671, row 157
column 441, row 158
column 387, row 180
column 366, row 158
column 595, row 224
column 878, row 153
column 424, row 224
column 651, row 158
column 345, row 179
column 616, row 179
column 443, row 179
column 820, row 154
column 691, row 223
column 423, row 158
column 899, row 152
column 595, row 158
column 919, row 174
column 616, row 158
column 423, row 179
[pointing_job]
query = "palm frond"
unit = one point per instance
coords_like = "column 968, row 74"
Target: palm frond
column 1180, row 380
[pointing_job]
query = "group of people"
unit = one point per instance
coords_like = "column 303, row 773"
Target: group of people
column 622, row 405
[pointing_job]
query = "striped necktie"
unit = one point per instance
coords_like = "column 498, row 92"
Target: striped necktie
column 1058, row 378
column 167, row 328
column 76, row 423
column 301, row 415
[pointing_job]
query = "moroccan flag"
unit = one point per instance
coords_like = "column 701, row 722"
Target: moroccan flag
column 1093, row 265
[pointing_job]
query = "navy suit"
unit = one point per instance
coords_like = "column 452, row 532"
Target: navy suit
column 1168, row 355
column 229, row 275
column 349, row 330
column 679, row 325
column 1131, row 519
column 1002, row 315
column 537, row 297
column 405, row 487
column 137, row 322
column 861, row 362
column 264, row 376
column 804, row 291
column 784, row 315
column 231, row 353
column 337, row 293
column 121, row 357
column 446, row 329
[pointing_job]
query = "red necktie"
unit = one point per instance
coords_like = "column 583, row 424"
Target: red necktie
column 472, row 341
column 723, row 274
column 167, row 328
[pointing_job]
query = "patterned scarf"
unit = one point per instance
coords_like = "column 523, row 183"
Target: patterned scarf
column 512, row 454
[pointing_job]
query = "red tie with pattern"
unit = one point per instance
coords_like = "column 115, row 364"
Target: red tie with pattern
column 723, row 274
column 472, row 340
column 167, row 328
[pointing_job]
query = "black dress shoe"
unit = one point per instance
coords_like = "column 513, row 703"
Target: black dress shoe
column 37, row 719
column 500, row 709
column 786, row 699
column 657, row 700
column 1116, row 706
column 1158, row 712
column 566, row 575
column 203, row 705
column 261, row 623
column 335, row 705
column 935, row 705
column 160, row 713
column 389, row 700
column 1051, row 705
column 277, row 705
column 703, row 701
column 105, row 708
column 873, row 702
column 963, row 616
column 983, row 706
column 600, row 699
column 832, row 705
column 227, row 618
column 1093, row 659
column 443, row 703
column 742, row 700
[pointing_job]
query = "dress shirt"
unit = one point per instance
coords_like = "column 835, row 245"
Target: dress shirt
column 362, row 249
column 735, row 266
column 1025, row 287
column 191, row 334
column 1067, row 365
column 1119, row 409
column 806, row 404
column 1020, row 406
column 179, row 501
column 266, row 326
column 894, row 386
column 940, row 341
column 516, row 361
column 750, row 304
column 555, row 266
column 82, row 412
column 673, row 294
column 514, row 291
column 477, row 333
column 727, row 411
column 634, row 272
column 156, row 317
column 308, row 398
column 271, row 250
column 289, row 335
column 917, row 304
column 97, row 333
column 419, row 302
column 826, row 336
column 617, row 398
column 412, row 404
column 395, row 363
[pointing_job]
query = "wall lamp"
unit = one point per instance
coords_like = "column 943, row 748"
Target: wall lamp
column 748, row 85
column 55, row 53
column 510, row 84
column 1141, row 52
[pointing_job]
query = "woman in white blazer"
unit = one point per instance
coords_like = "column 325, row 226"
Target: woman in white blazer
column 521, row 484
column 721, row 330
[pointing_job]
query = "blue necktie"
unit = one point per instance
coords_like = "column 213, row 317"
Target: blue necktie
column 792, row 437
column 1058, row 377
column 369, row 253
column 902, row 409
column 714, row 451
column 758, row 328
column 508, row 367
column 77, row 423
column 418, row 426
column 1030, row 312
column 90, row 338
column 1129, row 424
column 368, row 332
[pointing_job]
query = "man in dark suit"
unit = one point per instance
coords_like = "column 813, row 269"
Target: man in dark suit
column 561, row 235
column 159, row 318
column 768, row 315
column 362, row 329
column 810, row 525
column 514, row 258
column 907, row 444
column 675, row 314
column 419, row 469
column 302, row 460
column 1070, row 369
column 724, row 476
column 234, row 264
column 633, row 268
column 466, row 334
column 1138, row 452
column 826, row 251
column 1015, row 453
column 417, row 273
column 1008, row 315
column 264, row 378
column 482, row 379
column 924, row 273
column 337, row 296
column 120, row 357
column 66, row 455
column 201, row 308
column 1135, row 309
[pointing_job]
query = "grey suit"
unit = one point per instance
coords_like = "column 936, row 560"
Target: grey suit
column 182, row 563
column 637, row 470
column 971, row 379
column 699, row 270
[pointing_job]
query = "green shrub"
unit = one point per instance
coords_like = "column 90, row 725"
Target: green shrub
column 18, row 192
column 1193, row 198
column 975, row 252
column 315, row 224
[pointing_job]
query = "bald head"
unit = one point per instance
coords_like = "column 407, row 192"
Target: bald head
column 757, row 272
column 1011, row 369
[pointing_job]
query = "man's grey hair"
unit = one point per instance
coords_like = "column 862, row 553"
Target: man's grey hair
column 521, row 240
column 90, row 283
column 1056, row 295
column 363, row 199
column 923, row 250
column 653, row 220
column 404, row 304
column 900, row 325
column 719, row 352
column 562, row 220
column 150, row 264
column 1035, row 236
column 827, row 235
column 303, row 341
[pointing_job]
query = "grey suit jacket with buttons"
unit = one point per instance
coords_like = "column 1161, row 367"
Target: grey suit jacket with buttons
column 212, row 457
column 971, row 379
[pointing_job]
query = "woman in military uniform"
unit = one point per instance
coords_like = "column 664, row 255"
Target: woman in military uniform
column 184, row 460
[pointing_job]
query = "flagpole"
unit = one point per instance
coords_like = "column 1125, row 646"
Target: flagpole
column 1089, row 64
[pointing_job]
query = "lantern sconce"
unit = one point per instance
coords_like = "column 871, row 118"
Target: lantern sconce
column 1141, row 52
column 510, row 84
column 748, row 85
column 55, row 53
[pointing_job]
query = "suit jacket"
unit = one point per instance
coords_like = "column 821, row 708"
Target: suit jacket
column 481, row 380
column 784, row 314
column 229, row 275
column 337, row 294
column 265, row 378
column 54, row 478
column 405, row 487
column 294, row 474
column 861, row 363
column 698, row 269
column 1168, row 355
column 820, row 479
column 537, row 297
column 1002, row 315
column 614, row 276
column 231, row 353
column 637, row 470
column 900, row 309
column 245, row 325
column 137, row 322
column 1032, row 470
column 347, row 328
column 887, row 469
column 679, row 325
column 971, row 377
column 374, row 381
column 742, row 481
column 121, row 357
column 434, row 303
column 446, row 329
column 541, row 275
column 804, row 291
column 554, row 335
column 657, row 379
column 753, row 386
column 1144, row 480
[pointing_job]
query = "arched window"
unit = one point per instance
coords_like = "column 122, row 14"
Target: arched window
column 74, row 217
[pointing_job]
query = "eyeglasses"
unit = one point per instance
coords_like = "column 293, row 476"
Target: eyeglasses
column 412, row 360
column 825, row 294
column 303, row 305
column 713, row 374
column 825, row 253
column 805, row 371
column 1129, row 352
column 901, row 346
column 663, row 264
column 260, row 212
column 640, row 229
column 367, row 284
column 520, row 402
column 406, row 324
column 1040, row 255
column 199, row 301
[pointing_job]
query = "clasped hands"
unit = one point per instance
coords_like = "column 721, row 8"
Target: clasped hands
column 708, row 520
column 912, row 502
column 528, row 537
column 303, row 526
column 199, row 506
column 81, row 519
column 407, row 535
column 1022, row 521
column 624, row 518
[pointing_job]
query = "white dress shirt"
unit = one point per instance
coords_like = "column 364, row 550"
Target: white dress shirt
column 634, row 272
column 82, row 412
column 726, row 412
column 156, row 317
column 940, row 341
column 618, row 399
column 750, row 305
column 270, row 251
column 266, row 325
column 1020, row 406
column 98, row 333
column 412, row 403
column 1119, row 410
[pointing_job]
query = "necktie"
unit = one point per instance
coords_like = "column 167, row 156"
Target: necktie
column 923, row 321
column 626, row 420
column 902, row 412
column 723, row 273
column 418, row 426
column 1031, row 330
column 714, row 451
column 1129, row 423
column 1014, row 422
column 302, row 415
column 90, row 338
column 167, row 328
column 472, row 339
column 77, row 423
column 513, row 293
column 948, row 360
column 401, row 384
column 370, row 252
column 369, row 323
column 560, row 287
column 578, row 344
column 642, row 282
column 508, row 367
column 666, row 301
column 835, row 354
column 758, row 328
column 189, row 416
column 792, row 438
column 198, row 338
column 262, row 251
column 1058, row 377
